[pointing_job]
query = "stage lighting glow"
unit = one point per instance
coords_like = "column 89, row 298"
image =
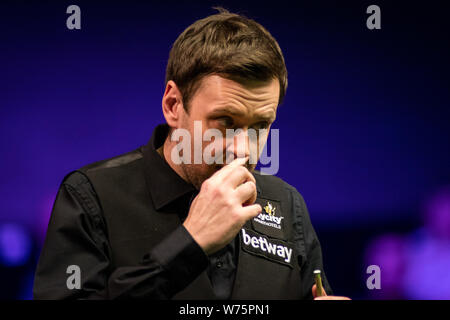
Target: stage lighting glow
column 15, row 245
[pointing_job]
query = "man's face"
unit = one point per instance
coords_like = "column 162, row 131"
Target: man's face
column 223, row 104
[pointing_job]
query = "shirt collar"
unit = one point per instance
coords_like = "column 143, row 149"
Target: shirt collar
column 164, row 184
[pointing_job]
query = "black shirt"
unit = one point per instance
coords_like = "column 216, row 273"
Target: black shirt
column 78, row 234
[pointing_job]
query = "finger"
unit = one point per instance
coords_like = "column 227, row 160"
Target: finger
column 252, row 211
column 224, row 171
column 314, row 291
column 238, row 176
column 246, row 193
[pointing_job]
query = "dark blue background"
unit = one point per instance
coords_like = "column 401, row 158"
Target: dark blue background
column 364, row 128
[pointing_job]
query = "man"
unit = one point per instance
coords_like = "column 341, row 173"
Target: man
column 147, row 225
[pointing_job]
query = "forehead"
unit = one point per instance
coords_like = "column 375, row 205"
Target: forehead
column 216, row 92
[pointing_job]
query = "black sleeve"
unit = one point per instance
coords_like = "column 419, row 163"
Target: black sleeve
column 77, row 235
column 308, row 245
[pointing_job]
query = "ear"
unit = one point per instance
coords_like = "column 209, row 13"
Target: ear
column 172, row 105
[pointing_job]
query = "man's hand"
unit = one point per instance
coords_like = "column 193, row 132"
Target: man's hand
column 223, row 205
column 325, row 297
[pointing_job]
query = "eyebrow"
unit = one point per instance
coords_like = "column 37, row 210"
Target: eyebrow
column 269, row 116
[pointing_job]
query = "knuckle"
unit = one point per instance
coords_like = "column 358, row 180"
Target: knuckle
column 215, row 192
column 206, row 185
column 250, row 188
column 252, row 185
column 228, row 203
column 241, row 170
column 219, row 191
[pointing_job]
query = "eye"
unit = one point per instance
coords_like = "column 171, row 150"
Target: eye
column 225, row 121
column 261, row 125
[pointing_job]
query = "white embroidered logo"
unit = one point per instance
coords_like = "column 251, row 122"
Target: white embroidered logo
column 267, row 248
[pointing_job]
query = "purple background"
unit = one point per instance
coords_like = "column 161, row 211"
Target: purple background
column 364, row 129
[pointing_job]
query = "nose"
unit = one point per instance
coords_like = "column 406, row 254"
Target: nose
column 239, row 145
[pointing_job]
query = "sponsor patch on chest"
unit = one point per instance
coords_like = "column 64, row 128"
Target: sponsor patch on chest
column 270, row 221
column 272, row 249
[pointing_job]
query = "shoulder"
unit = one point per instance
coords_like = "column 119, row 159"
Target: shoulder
column 80, row 180
column 119, row 170
column 119, row 161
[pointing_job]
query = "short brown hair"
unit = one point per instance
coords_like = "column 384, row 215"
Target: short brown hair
column 227, row 44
